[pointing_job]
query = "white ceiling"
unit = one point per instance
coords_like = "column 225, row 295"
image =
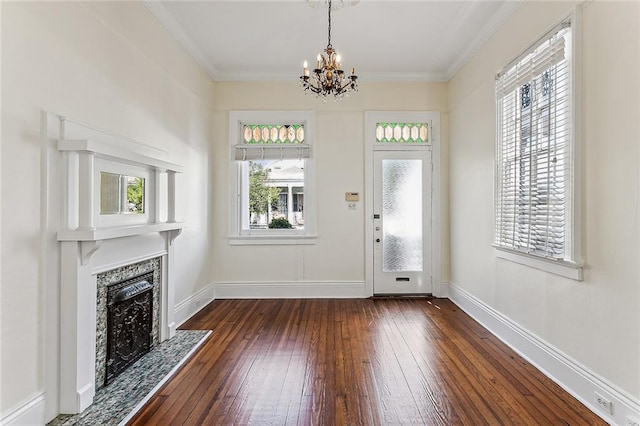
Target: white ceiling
column 395, row 40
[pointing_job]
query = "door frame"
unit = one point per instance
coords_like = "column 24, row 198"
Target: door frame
column 370, row 120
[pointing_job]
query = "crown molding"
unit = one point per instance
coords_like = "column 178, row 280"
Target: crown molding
column 167, row 20
column 362, row 77
column 428, row 77
column 500, row 17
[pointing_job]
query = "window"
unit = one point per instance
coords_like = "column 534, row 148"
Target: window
column 534, row 199
column 404, row 133
column 272, row 177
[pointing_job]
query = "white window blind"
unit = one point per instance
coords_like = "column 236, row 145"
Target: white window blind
column 271, row 142
column 534, row 163
column 243, row 152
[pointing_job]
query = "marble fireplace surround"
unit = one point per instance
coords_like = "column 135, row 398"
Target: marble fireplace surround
column 89, row 246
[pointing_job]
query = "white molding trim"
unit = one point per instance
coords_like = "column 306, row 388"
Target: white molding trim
column 370, row 118
column 192, row 304
column 572, row 376
column 137, row 259
column 564, row 269
column 483, row 36
column 290, row 290
column 29, row 413
column 428, row 77
column 444, row 289
column 85, row 396
column 167, row 20
column 238, row 185
column 163, row 381
column 253, row 240
column 110, row 151
column 108, row 233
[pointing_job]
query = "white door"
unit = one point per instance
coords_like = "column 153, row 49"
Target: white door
column 402, row 222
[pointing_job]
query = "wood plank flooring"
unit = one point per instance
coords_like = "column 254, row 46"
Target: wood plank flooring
column 355, row 362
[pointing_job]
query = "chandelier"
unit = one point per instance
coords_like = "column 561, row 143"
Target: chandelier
column 328, row 78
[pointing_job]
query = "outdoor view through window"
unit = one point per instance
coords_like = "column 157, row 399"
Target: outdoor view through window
column 121, row 194
column 276, row 194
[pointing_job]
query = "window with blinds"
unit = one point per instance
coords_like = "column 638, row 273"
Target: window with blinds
column 534, row 158
column 272, row 194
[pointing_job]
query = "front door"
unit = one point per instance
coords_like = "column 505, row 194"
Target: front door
column 402, row 222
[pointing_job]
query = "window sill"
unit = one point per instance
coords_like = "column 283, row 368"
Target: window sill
column 564, row 269
column 246, row 240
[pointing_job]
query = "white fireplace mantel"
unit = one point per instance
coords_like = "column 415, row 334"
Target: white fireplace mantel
column 89, row 247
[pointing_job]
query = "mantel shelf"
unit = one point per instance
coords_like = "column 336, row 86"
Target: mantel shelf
column 100, row 234
column 110, row 151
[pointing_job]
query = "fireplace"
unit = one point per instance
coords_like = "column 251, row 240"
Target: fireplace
column 127, row 316
column 99, row 249
column 129, row 323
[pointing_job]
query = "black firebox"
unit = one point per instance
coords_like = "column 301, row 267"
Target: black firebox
column 129, row 323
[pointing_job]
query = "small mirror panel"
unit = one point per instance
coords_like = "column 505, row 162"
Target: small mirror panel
column 121, row 194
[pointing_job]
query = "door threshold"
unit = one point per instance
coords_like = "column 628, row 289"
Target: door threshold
column 403, row 296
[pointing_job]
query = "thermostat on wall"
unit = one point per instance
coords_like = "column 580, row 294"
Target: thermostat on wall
column 351, row 196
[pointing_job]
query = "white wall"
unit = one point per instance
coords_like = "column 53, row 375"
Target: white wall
column 112, row 65
column 338, row 255
column 595, row 322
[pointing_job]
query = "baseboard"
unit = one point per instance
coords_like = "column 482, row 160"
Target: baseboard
column 565, row 371
column 290, row 290
column 444, row 290
column 27, row 414
column 84, row 397
column 191, row 305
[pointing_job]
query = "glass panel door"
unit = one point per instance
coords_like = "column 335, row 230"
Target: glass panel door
column 402, row 215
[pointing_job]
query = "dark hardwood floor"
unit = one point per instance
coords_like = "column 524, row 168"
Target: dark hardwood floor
column 355, row 362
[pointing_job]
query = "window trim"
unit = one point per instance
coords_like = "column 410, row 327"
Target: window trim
column 558, row 267
column 370, row 146
column 238, row 236
column 572, row 267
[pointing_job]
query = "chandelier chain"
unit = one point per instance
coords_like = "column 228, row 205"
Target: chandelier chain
column 329, row 41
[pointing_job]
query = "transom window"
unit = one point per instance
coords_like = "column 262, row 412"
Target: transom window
column 534, row 213
column 272, row 177
column 270, row 133
column 402, row 133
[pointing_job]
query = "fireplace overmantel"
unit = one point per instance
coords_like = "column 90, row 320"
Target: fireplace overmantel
column 92, row 242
